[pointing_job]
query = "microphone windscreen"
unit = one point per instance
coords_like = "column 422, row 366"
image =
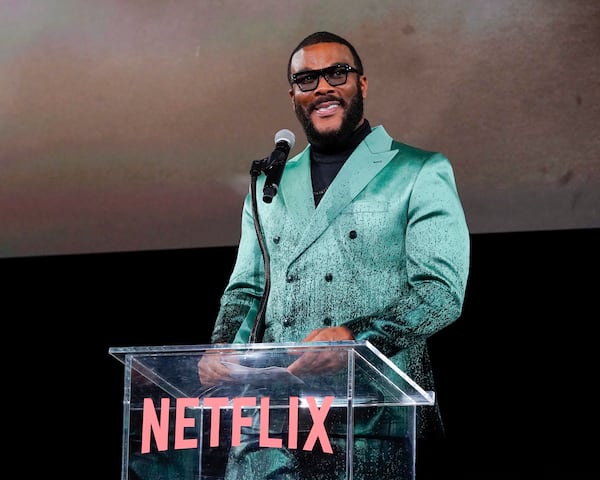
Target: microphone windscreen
column 286, row 136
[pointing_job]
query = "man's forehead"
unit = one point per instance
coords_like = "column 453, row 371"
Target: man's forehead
column 320, row 55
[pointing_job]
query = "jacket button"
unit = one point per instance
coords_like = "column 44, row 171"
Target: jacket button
column 289, row 278
column 352, row 234
column 328, row 277
column 327, row 321
column 287, row 322
column 276, row 239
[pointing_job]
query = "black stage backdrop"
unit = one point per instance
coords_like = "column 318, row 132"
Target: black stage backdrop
column 515, row 373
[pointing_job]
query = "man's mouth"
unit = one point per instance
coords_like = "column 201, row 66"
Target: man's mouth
column 327, row 108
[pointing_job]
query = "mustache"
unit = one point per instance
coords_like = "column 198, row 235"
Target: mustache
column 326, row 98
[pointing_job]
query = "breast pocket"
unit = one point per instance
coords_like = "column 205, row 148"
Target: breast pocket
column 371, row 231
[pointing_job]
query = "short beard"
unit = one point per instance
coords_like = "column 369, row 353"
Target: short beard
column 336, row 140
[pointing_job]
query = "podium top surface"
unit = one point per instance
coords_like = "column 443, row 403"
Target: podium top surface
column 120, row 352
column 366, row 377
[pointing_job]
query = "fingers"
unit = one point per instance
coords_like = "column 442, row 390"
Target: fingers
column 318, row 362
column 329, row 334
column 211, row 370
column 322, row 360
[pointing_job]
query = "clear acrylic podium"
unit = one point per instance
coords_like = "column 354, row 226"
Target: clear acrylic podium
column 177, row 429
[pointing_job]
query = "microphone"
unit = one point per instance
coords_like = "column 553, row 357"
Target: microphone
column 284, row 142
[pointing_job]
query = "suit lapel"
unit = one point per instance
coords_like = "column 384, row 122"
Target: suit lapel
column 365, row 163
column 297, row 196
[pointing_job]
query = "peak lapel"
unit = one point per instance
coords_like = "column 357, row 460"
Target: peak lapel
column 361, row 167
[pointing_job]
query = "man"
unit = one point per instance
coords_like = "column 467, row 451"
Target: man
column 367, row 240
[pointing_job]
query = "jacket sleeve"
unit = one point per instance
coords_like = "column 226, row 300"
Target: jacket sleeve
column 437, row 247
column 240, row 300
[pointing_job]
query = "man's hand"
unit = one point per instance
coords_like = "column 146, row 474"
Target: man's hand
column 211, row 369
column 322, row 360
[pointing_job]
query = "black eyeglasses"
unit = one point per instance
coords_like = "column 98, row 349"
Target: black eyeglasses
column 335, row 75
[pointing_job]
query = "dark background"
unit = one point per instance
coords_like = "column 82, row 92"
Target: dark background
column 515, row 374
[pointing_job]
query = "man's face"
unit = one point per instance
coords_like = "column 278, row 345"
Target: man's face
column 329, row 114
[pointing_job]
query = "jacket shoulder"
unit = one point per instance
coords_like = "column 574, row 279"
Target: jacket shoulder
column 380, row 139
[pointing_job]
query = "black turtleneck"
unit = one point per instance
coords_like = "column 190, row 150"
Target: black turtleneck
column 326, row 165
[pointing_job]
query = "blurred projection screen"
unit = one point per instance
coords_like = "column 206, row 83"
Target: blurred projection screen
column 128, row 125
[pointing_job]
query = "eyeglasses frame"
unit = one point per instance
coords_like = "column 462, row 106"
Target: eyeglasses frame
column 324, row 73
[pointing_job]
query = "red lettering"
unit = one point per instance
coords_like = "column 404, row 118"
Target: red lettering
column 181, row 422
column 150, row 424
column 318, row 429
column 238, row 421
column 215, row 417
column 264, row 440
column 293, row 424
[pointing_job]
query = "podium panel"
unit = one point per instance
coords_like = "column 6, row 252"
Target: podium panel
column 263, row 421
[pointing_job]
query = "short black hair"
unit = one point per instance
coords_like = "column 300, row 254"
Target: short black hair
column 324, row 37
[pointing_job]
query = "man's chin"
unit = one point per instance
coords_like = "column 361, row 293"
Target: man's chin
column 327, row 128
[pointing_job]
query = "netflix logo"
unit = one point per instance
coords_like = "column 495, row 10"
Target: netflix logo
column 157, row 426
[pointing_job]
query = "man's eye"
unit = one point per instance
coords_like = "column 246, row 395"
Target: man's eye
column 340, row 72
column 306, row 78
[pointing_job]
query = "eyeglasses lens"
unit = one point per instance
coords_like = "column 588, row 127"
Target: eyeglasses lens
column 335, row 76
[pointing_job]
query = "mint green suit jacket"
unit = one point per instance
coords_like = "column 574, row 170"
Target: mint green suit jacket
column 385, row 253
